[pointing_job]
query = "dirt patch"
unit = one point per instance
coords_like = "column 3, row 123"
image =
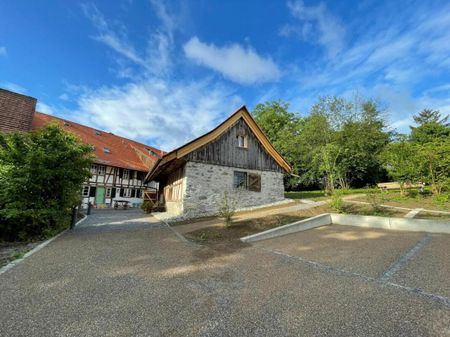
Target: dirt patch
column 359, row 209
column 10, row 251
column 221, row 233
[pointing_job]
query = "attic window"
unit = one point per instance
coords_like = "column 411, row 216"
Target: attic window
column 98, row 133
column 66, row 123
column 242, row 141
column 106, row 150
column 153, row 153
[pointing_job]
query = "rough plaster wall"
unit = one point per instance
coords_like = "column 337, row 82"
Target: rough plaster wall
column 206, row 183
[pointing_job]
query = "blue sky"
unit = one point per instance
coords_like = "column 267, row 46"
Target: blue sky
column 165, row 72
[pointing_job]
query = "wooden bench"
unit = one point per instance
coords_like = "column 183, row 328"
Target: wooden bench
column 396, row 186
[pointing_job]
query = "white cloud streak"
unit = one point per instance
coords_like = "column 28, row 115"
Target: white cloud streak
column 234, row 62
column 317, row 25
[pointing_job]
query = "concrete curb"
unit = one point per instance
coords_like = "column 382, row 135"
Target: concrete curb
column 12, row 264
column 368, row 221
column 398, row 224
column 302, row 225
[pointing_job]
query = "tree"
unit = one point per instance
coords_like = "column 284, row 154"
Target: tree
column 326, row 160
column 282, row 128
column 434, row 158
column 430, row 116
column 401, row 161
column 41, row 175
column 431, row 126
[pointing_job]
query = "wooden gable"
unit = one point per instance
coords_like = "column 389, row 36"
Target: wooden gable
column 225, row 150
column 263, row 155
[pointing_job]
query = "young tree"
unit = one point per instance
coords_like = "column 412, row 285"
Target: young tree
column 434, row 158
column 41, row 175
column 430, row 116
column 401, row 161
column 327, row 162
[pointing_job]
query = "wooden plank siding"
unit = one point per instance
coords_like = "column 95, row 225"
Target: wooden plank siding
column 173, row 191
column 225, row 151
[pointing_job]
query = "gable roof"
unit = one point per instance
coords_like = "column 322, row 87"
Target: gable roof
column 195, row 144
column 109, row 149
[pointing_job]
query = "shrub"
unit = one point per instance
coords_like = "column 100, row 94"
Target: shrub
column 147, row 206
column 41, row 174
column 337, row 203
column 227, row 209
column 375, row 200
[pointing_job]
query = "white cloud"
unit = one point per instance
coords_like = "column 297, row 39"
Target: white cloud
column 45, row 108
column 156, row 59
column 164, row 114
column 13, row 87
column 239, row 64
column 3, row 51
column 318, row 25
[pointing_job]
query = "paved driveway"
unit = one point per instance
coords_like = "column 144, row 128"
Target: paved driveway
column 121, row 274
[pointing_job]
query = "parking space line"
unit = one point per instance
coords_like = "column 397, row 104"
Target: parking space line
column 341, row 272
column 404, row 259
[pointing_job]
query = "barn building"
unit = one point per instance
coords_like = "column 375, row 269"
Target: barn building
column 120, row 165
column 235, row 161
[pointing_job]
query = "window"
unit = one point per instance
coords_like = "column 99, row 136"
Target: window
column 106, row 150
column 135, row 174
column 108, row 192
column 127, row 192
column 98, row 133
column 85, row 192
column 98, row 169
column 240, row 180
column 242, row 141
column 250, row 181
column 254, row 182
column 126, row 174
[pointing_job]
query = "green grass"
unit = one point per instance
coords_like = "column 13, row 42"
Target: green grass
column 320, row 194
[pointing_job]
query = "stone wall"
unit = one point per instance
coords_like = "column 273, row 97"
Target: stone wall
column 206, row 184
column 16, row 111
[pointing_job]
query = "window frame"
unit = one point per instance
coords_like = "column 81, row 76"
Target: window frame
column 83, row 193
column 244, row 183
column 126, row 174
column 127, row 192
column 108, row 192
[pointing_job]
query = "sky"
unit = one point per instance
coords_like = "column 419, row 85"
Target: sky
column 165, row 72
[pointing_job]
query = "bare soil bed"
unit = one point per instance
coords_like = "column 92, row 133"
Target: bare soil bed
column 10, row 251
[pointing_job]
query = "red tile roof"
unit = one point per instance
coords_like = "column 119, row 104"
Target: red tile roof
column 124, row 152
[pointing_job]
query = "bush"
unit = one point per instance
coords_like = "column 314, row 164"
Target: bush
column 147, row 206
column 337, row 203
column 375, row 199
column 41, row 174
column 227, row 209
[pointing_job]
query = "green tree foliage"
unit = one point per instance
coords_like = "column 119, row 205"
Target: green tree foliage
column 41, row 174
column 434, row 160
column 355, row 128
column 431, row 126
column 400, row 160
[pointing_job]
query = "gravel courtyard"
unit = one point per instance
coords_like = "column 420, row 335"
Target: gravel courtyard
column 121, row 273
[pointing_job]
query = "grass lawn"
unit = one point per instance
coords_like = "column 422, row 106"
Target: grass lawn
column 320, row 194
column 412, row 200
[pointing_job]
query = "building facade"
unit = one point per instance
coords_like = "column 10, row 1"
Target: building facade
column 235, row 163
column 120, row 164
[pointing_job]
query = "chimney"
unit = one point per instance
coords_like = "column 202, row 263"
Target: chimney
column 16, row 111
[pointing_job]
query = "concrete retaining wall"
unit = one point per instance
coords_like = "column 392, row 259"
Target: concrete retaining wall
column 399, row 224
column 303, row 225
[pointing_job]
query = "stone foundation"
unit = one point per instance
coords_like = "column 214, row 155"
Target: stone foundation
column 206, row 185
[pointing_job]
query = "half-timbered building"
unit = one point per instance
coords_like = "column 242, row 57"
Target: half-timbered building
column 120, row 164
column 234, row 163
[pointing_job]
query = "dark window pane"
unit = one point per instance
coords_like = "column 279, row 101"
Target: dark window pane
column 240, row 179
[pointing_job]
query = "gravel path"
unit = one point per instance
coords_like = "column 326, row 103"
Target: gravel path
column 125, row 274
